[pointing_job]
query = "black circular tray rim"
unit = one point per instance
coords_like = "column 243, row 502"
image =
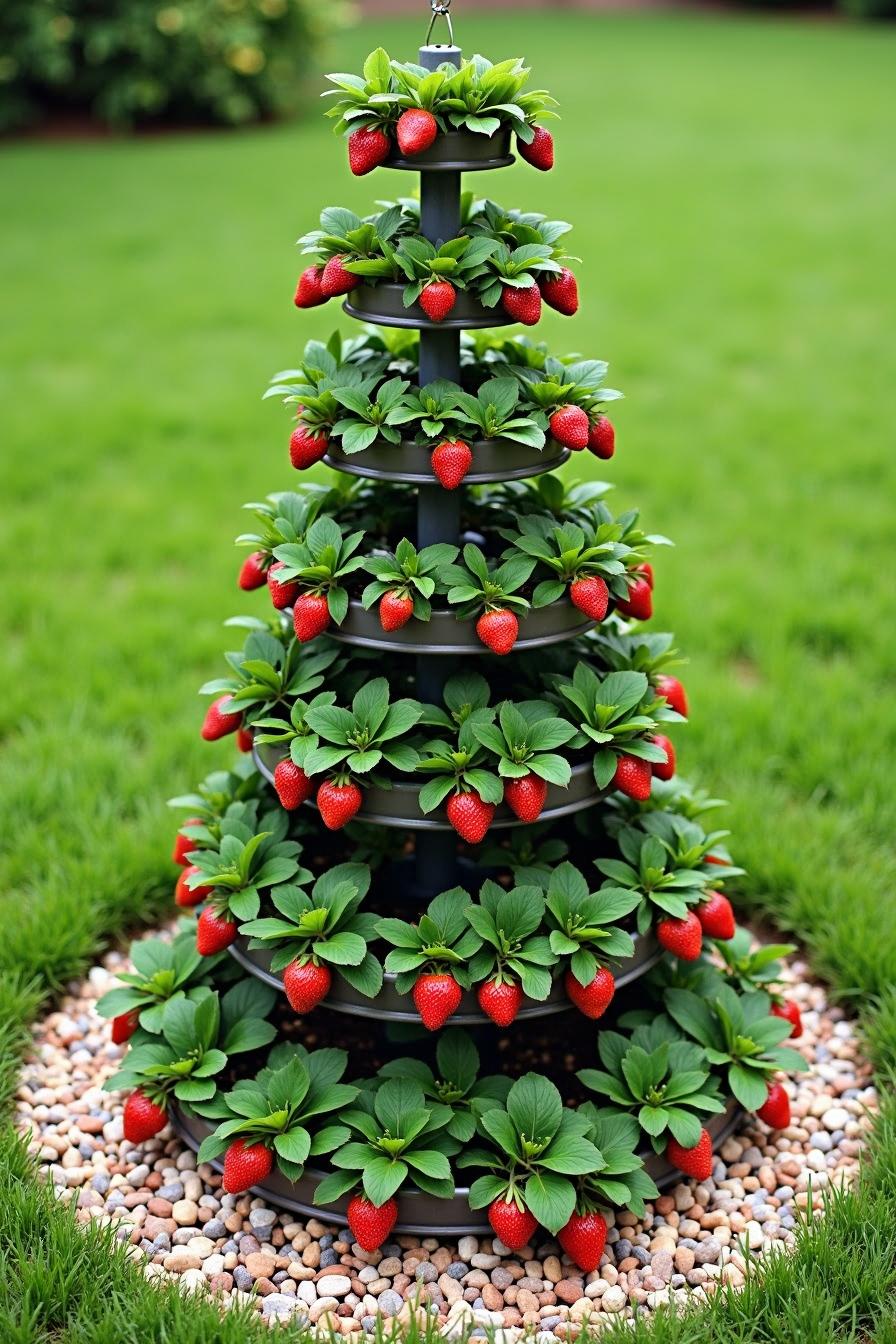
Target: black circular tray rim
column 419, row 1214
column 527, row 462
column 582, row 798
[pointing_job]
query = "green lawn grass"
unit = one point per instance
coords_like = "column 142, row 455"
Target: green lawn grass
column 729, row 180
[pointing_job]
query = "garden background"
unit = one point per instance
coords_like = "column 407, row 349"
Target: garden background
column 730, row 180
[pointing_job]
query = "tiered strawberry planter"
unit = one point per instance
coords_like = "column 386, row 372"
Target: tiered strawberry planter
column 456, row 841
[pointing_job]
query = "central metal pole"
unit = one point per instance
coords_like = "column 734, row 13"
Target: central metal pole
column 438, row 510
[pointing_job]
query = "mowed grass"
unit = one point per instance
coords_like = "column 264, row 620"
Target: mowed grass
column 730, row 184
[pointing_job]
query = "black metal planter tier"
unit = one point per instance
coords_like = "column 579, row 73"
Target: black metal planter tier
column 408, row 462
column 418, row 1213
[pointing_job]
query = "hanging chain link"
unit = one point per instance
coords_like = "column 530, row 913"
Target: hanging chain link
column 440, row 10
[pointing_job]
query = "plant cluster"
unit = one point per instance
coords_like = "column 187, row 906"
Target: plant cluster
column 395, row 104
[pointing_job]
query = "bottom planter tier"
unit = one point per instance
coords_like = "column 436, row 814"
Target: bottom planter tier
column 390, row 1006
column 419, row 1214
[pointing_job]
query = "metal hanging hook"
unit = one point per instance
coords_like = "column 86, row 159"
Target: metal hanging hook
column 440, row 10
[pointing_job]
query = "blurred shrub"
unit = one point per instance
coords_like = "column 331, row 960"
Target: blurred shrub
column 869, row 9
column 127, row 61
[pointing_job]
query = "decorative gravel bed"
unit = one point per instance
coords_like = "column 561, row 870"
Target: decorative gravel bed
column 180, row 1226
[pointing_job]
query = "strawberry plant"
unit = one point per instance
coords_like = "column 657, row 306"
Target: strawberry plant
column 163, row 971
column 283, row 518
column 430, row 958
column 616, row 714
column 737, row 1033
column 661, row 1079
column 371, row 416
column 356, row 741
column 584, row 932
column 515, row 958
column 196, row 1037
column 475, row 588
column 535, row 1147
column 296, row 734
column 510, row 272
column 365, row 248
column 435, row 409
column 456, row 1084
column 751, row 966
column 323, row 930
column 266, row 674
column 523, row 740
column 648, row 870
column 459, row 765
column 439, row 270
column 321, row 564
column 494, row 412
column 245, row 864
column 622, row 1180
column 288, row 1107
column 408, row 576
column 587, row 565
column 398, row 1137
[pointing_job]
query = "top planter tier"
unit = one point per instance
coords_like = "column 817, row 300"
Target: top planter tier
column 458, row 151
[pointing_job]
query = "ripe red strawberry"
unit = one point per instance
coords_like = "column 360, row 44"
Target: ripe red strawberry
column 245, row 1165
column 310, row 616
column 306, row 985
column 602, row 438
column 540, row 151
column 252, row 574
column 511, row 1223
column 583, row 1239
column 790, row 1012
column 523, row 305
column 143, row 1119
column 682, row 937
column 396, row 609
column 292, row 784
column 639, row 603
column 215, row 930
column 664, row 769
column 308, row 291
column 569, row 426
column 696, row 1161
column 282, row 594
column 186, row 896
column 451, row 460
column 500, row 1000
column 647, row 570
column 591, row 595
column 415, row 130
column 305, row 449
column 436, row 997
column 498, row 630
column 217, row 722
column 244, row 739
column 338, row 803
column 594, row 998
column 124, row 1026
column 371, row 1224
column 437, row 299
column 674, row 692
column 183, row 845
column 632, row 777
column 560, row 291
column 367, row 149
column 336, row 279
column 775, row 1110
column 470, row 816
column 526, row 797
column 716, row 916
